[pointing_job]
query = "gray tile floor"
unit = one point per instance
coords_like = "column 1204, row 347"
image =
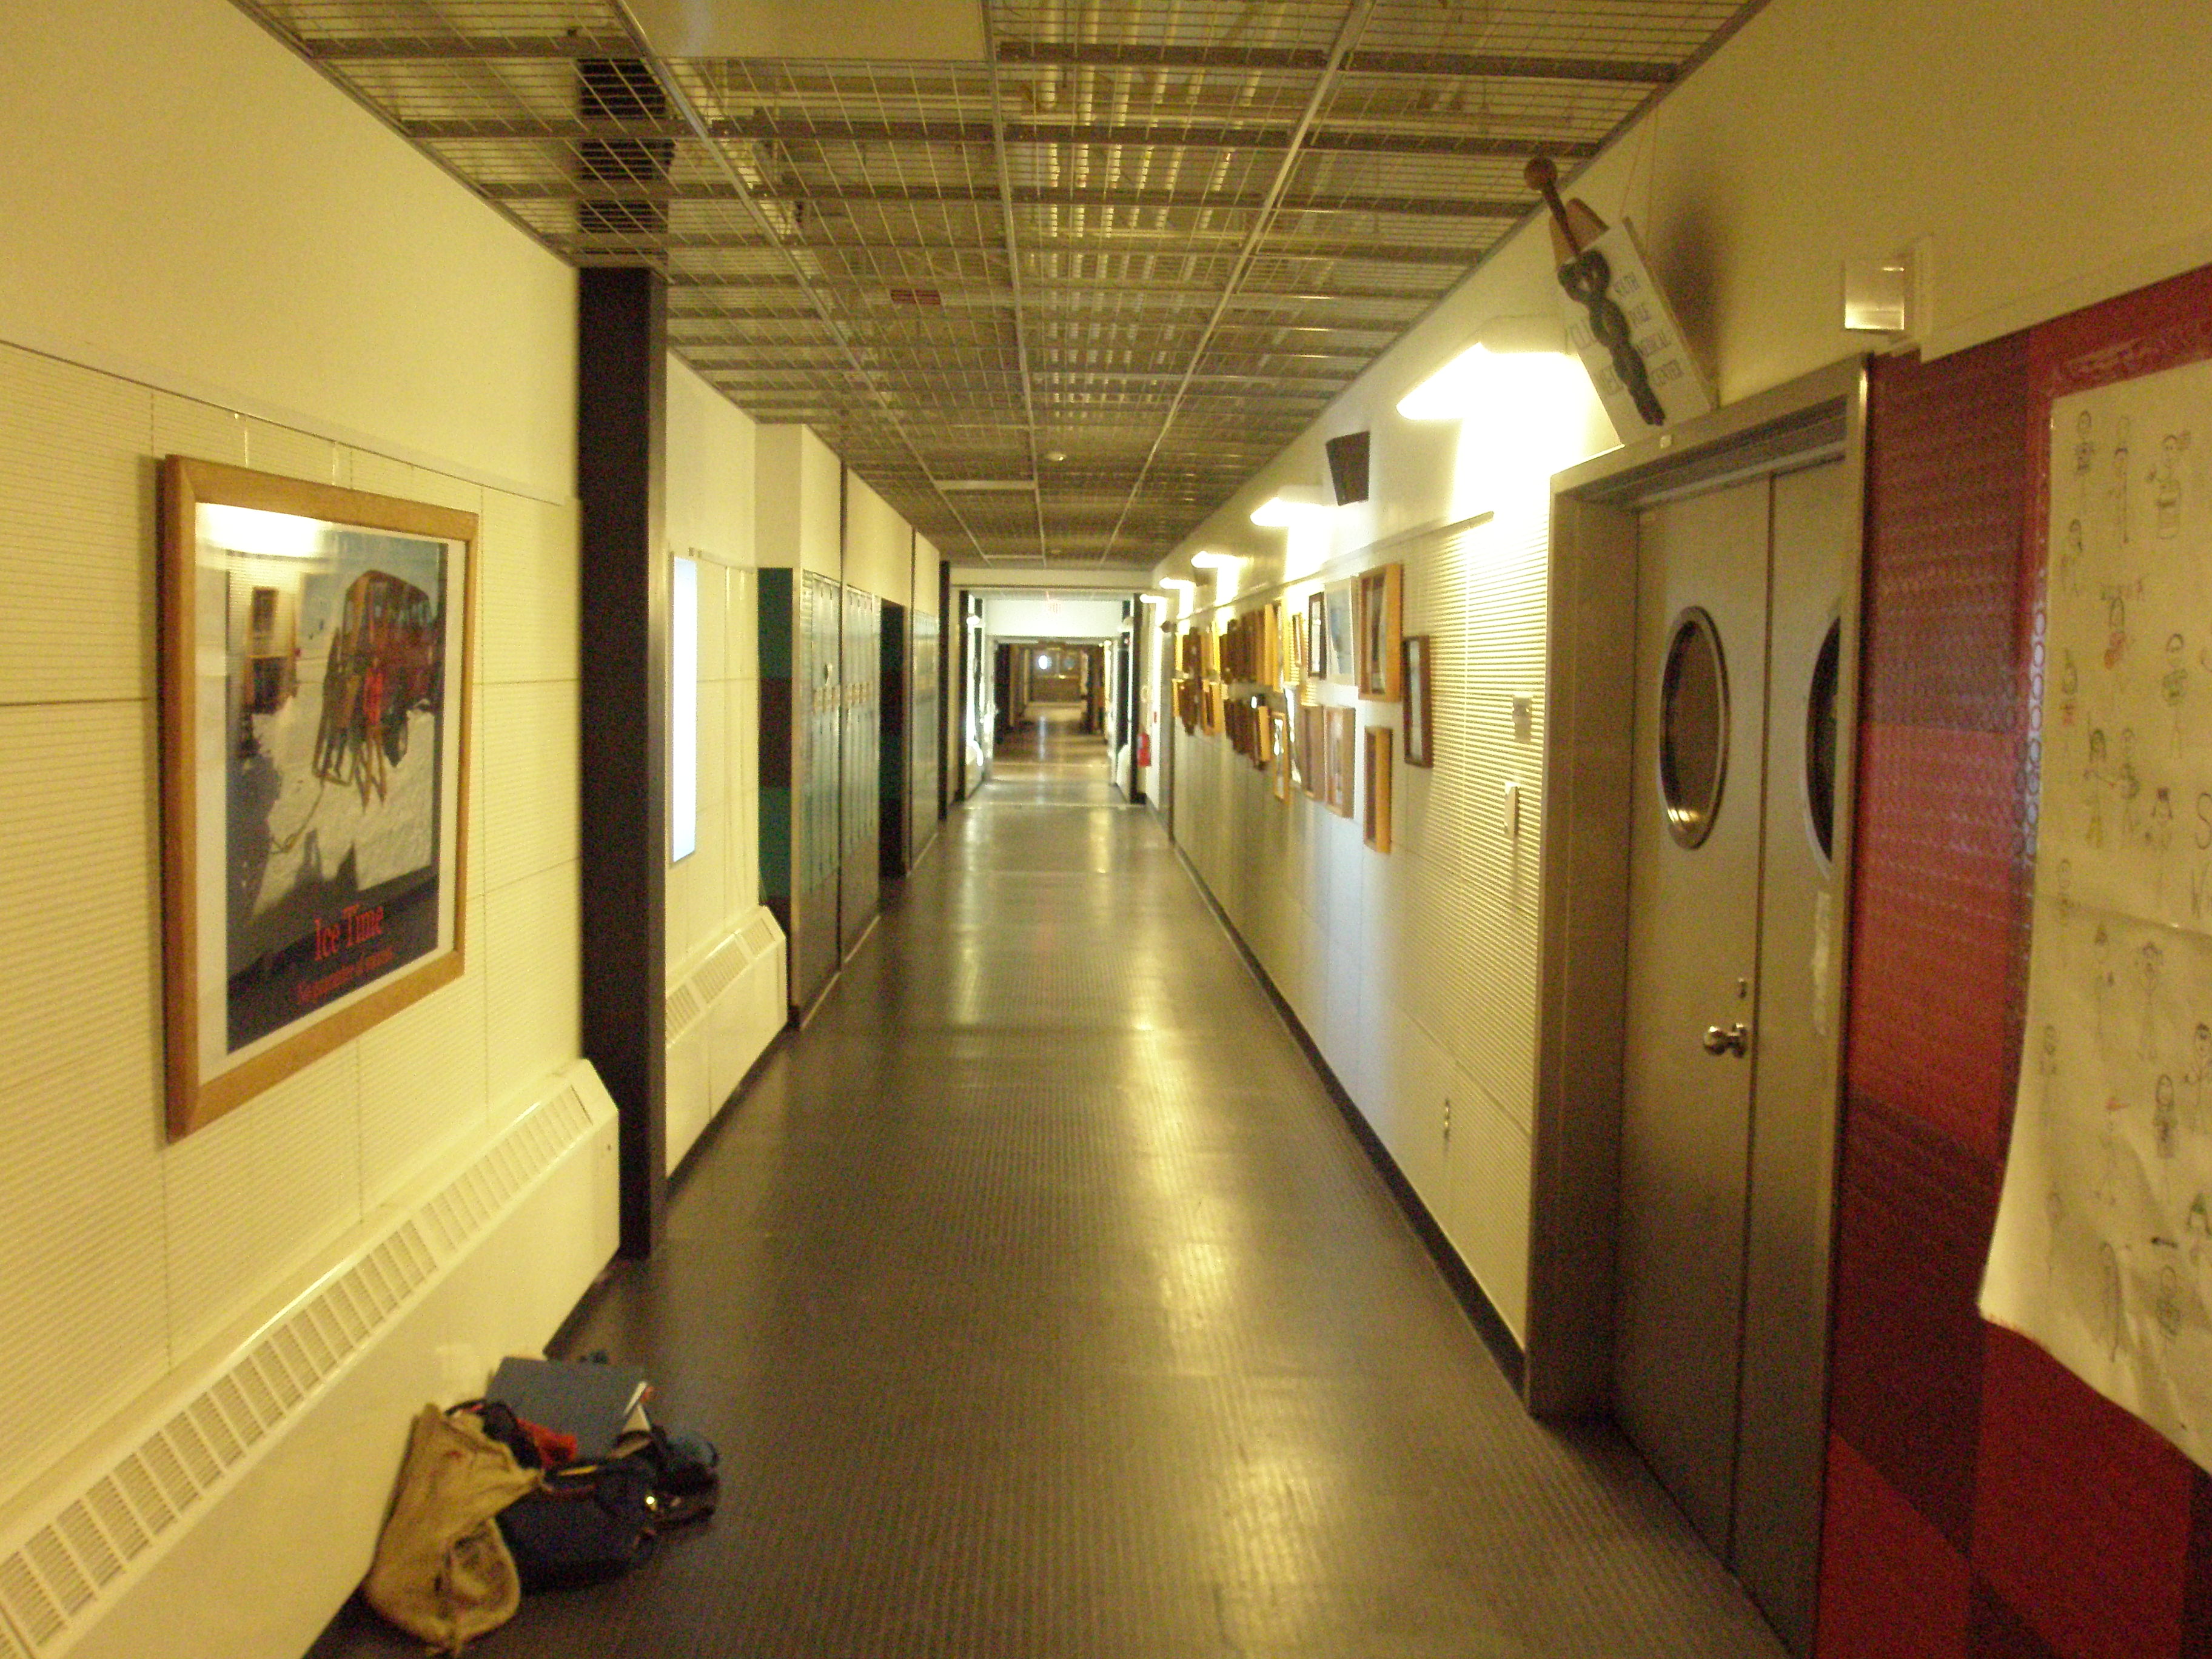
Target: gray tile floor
column 1042, row 1304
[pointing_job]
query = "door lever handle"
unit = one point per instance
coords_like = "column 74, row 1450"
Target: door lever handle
column 1734, row 1040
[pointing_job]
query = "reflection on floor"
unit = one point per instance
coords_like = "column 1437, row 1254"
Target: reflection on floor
column 1042, row 1304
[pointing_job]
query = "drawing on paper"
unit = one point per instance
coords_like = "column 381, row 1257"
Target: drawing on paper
column 2102, row 1249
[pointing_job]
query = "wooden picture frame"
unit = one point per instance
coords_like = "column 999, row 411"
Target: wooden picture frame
column 1278, row 724
column 1312, row 747
column 1343, row 741
column 1374, row 825
column 1316, row 653
column 1378, row 611
column 316, row 649
column 1337, row 612
column 1421, row 714
column 1294, row 650
column 1263, row 735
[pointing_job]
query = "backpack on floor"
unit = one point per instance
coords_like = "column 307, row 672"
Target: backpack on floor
column 442, row 1572
column 584, row 1525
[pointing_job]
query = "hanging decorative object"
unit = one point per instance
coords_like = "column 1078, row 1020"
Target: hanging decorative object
column 1618, row 322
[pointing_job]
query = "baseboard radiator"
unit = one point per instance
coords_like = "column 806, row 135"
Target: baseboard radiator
column 725, row 1005
column 229, row 1516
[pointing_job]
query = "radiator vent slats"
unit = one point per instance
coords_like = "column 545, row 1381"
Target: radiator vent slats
column 54, row 1577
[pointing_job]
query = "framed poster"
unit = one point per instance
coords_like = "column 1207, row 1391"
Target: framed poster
column 1343, row 739
column 1420, row 728
column 1336, row 611
column 1376, row 824
column 315, row 691
column 1379, row 602
column 1316, row 636
column 1312, row 745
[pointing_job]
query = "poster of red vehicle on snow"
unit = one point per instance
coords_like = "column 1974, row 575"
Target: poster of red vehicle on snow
column 315, row 734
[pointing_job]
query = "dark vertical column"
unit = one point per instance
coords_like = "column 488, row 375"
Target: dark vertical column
column 622, row 346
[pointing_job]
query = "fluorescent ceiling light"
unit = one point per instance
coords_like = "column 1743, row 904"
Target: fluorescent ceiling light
column 985, row 486
column 1283, row 508
column 1214, row 560
column 1153, row 599
column 1180, row 584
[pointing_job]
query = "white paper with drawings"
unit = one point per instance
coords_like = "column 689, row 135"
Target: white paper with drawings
column 2103, row 1251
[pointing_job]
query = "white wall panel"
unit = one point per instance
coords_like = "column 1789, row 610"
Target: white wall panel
column 528, row 589
column 527, row 813
column 187, row 425
column 273, row 448
column 257, row 1201
column 425, row 1076
column 75, row 489
column 532, row 945
column 81, row 1212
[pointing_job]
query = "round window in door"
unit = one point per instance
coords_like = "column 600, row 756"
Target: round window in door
column 1820, row 743
column 1693, row 727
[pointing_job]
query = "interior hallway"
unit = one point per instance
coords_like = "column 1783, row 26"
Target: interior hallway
column 1042, row 1303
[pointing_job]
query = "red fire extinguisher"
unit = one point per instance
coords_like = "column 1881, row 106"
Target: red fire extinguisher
column 1144, row 749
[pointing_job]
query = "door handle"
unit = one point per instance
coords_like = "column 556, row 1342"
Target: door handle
column 1734, row 1040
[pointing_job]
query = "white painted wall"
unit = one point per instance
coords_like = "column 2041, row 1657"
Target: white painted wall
column 2049, row 156
column 713, row 909
column 795, row 502
column 201, row 230
column 879, row 545
column 188, row 204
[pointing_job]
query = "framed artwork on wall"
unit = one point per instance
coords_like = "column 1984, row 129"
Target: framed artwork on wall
column 1279, row 735
column 1378, row 609
column 314, row 699
column 1337, row 612
column 1263, row 735
column 1343, row 740
column 1294, row 651
column 1316, row 653
column 1419, row 719
column 1312, row 750
column 1376, row 823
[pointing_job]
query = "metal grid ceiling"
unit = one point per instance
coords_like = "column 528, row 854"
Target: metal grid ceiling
column 1128, row 256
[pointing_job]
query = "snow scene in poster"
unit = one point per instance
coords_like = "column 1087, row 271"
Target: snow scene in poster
column 335, row 717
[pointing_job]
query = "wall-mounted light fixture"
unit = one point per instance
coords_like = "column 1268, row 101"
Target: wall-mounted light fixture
column 1510, row 360
column 1287, row 505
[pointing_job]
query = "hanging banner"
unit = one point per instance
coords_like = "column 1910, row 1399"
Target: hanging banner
column 2103, row 1249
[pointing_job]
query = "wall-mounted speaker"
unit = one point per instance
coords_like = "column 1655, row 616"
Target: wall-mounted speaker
column 1347, row 467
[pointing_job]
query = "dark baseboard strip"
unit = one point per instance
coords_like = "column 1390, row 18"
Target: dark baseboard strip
column 1482, row 1313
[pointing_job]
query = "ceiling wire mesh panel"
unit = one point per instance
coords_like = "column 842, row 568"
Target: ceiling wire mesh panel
column 1055, row 304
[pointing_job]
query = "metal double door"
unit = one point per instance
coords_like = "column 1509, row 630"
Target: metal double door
column 1733, row 1018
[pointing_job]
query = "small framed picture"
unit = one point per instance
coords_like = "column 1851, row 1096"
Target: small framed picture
column 1376, row 823
column 1420, row 722
column 1317, row 635
column 1278, row 725
column 1377, row 612
column 1312, row 746
column 1336, row 610
column 1343, row 725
